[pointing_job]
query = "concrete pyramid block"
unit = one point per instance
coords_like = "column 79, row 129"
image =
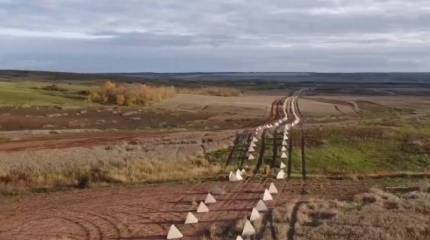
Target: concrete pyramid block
column 248, row 229
column 283, row 149
column 255, row 215
column 239, row 175
column 174, row 233
column 281, row 174
column 253, row 145
column 251, row 149
column 239, row 238
column 284, row 155
column 284, row 143
column 210, row 199
column 251, row 157
column 273, row 189
column 243, row 171
column 282, row 165
column 261, row 206
column 254, row 140
column 231, row 177
column 191, row 219
column 202, row 208
column 267, row 196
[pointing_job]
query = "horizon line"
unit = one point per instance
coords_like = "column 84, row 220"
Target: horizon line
column 212, row 72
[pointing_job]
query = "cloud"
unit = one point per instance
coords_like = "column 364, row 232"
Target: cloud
column 16, row 32
column 224, row 35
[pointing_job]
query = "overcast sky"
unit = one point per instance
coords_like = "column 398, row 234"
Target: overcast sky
column 215, row 35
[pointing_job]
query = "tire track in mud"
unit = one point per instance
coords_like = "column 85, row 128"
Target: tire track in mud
column 293, row 219
column 108, row 224
column 18, row 231
column 75, row 140
column 140, row 201
column 94, row 225
column 87, row 233
column 94, row 229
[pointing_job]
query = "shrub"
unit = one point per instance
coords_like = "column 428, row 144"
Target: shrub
column 54, row 87
column 83, row 181
column 128, row 95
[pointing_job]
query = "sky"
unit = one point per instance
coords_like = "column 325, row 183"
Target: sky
column 215, row 35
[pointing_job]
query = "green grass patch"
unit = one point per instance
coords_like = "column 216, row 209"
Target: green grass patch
column 365, row 150
column 37, row 94
column 218, row 157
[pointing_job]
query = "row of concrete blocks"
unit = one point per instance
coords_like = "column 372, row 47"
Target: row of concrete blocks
column 248, row 229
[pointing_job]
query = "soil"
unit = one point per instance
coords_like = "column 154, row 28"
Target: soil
column 146, row 212
column 109, row 118
column 182, row 112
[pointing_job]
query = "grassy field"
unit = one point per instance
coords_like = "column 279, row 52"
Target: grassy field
column 35, row 93
column 22, row 94
column 366, row 149
column 373, row 146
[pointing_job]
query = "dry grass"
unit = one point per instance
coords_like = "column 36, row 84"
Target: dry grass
column 128, row 95
column 21, row 177
column 175, row 157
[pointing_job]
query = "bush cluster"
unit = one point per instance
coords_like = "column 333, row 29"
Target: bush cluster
column 128, row 95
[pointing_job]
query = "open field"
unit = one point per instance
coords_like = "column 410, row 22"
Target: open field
column 49, row 118
column 366, row 149
column 27, row 94
column 156, row 161
column 45, row 105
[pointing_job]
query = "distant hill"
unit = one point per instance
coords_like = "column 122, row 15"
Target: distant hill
column 250, row 80
column 217, row 76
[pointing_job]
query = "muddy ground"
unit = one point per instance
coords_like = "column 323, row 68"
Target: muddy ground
column 334, row 209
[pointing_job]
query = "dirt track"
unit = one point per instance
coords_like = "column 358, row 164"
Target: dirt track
column 146, row 212
column 73, row 140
